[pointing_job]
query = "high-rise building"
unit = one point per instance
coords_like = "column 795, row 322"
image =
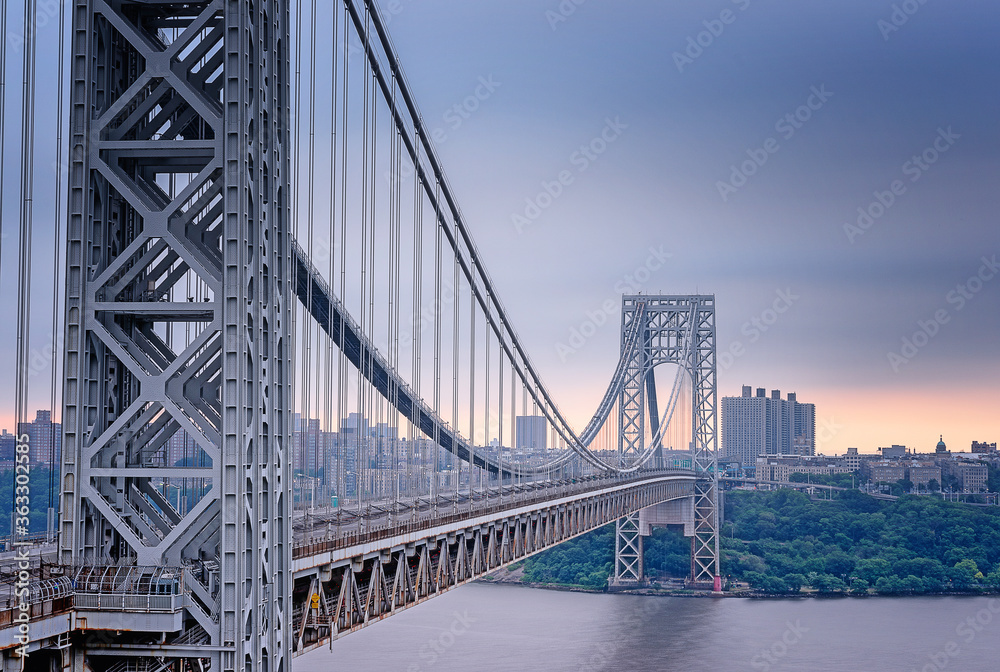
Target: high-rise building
column 531, row 432
column 757, row 424
column 44, row 438
column 8, row 446
column 183, row 450
column 803, row 425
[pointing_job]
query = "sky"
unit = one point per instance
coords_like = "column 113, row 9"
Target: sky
column 827, row 170
column 809, row 298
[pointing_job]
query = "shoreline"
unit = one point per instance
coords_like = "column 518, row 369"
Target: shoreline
column 511, row 580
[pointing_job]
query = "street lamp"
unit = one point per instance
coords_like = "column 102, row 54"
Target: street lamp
column 171, row 485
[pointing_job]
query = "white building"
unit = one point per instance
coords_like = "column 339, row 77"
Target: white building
column 531, row 432
column 754, row 425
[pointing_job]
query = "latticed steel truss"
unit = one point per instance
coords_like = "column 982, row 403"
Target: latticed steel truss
column 676, row 330
column 178, row 316
column 343, row 587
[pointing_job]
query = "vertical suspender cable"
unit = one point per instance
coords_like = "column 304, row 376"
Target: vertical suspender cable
column 500, row 420
column 513, row 417
column 329, row 449
column 309, row 454
column 343, row 442
column 417, row 308
column 393, row 349
column 295, row 206
column 373, row 399
column 437, row 348
column 27, row 195
column 484, row 474
column 56, row 266
column 472, row 400
column 455, row 365
column 3, row 119
column 360, row 461
column 397, row 264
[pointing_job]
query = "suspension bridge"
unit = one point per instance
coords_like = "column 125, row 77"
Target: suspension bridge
column 292, row 401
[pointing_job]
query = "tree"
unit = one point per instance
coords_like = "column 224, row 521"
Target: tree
column 925, row 568
column 772, row 584
column 950, row 482
column 839, row 563
column 795, row 581
column 966, row 573
column 993, row 478
column 912, row 584
column 889, row 585
column 859, row 586
column 827, row 583
column 993, row 580
column 933, row 485
column 873, row 569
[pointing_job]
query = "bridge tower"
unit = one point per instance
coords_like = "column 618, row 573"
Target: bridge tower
column 177, row 326
column 668, row 324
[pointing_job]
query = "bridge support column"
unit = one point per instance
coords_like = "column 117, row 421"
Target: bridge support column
column 178, row 330
column 676, row 330
column 631, row 441
column 629, row 572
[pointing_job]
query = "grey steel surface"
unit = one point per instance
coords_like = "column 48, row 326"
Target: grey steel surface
column 179, row 169
column 677, row 330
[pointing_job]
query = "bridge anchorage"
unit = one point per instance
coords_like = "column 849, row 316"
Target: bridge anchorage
column 225, row 356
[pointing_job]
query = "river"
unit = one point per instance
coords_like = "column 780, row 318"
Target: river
column 481, row 628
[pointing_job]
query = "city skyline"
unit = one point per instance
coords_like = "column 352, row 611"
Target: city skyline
column 886, row 318
column 382, row 429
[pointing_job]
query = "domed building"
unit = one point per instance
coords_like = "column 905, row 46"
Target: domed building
column 941, row 448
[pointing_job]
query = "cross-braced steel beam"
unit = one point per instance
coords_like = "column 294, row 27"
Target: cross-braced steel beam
column 676, row 330
column 177, row 325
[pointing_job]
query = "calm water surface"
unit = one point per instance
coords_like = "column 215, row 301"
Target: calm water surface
column 486, row 627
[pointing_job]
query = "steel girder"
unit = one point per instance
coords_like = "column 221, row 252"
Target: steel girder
column 370, row 581
column 669, row 321
column 178, row 177
column 632, row 427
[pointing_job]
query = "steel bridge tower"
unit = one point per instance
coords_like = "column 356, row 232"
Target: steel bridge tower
column 675, row 330
column 178, row 178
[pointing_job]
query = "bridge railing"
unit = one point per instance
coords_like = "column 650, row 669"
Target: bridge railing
column 127, row 602
column 335, row 540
